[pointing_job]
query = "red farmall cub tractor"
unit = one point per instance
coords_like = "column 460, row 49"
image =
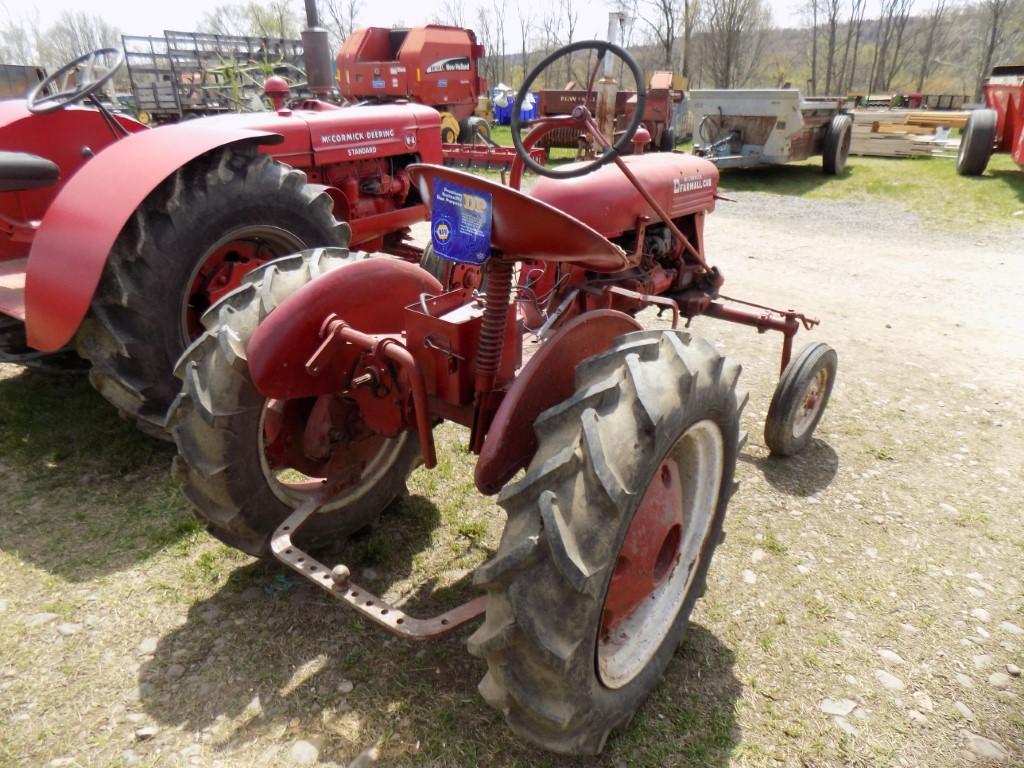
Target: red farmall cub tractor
column 118, row 238
column 612, row 448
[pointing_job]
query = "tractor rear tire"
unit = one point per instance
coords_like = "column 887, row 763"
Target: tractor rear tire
column 217, row 423
column 135, row 330
column 836, row 150
column 976, row 142
column 567, row 520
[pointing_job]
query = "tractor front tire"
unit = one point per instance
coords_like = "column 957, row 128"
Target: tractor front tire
column 652, row 397
column 136, row 328
column 217, row 424
column 976, row 142
column 836, row 149
column 800, row 399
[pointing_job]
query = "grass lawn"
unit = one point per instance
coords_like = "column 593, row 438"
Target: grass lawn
column 927, row 185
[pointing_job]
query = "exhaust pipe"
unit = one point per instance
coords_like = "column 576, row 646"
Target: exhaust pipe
column 316, row 52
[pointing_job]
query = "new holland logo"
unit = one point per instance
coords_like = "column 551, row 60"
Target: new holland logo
column 454, row 64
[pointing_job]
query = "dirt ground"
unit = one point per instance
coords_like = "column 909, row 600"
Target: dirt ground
column 866, row 609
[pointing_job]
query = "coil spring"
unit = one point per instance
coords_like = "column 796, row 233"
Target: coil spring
column 492, row 330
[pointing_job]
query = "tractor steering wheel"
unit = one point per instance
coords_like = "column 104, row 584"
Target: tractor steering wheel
column 581, row 113
column 93, row 70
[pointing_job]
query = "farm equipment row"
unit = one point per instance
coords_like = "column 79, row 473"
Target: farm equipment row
column 308, row 376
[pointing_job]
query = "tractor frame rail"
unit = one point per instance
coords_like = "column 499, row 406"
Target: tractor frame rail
column 336, row 582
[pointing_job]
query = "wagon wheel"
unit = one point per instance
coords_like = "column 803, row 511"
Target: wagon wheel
column 192, row 241
column 976, row 142
column 609, row 537
column 836, row 149
column 245, row 462
column 610, row 153
column 800, row 399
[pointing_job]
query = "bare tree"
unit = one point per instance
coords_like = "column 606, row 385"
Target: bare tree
column 73, row 34
column 571, row 15
column 500, row 10
column 454, row 13
column 996, row 17
column 853, row 32
column 814, row 47
column 339, row 18
column 832, row 10
column 663, row 18
column 524, row 31
column 886, row 59
column 691, row 17
column 734, row 33
column 933, row 39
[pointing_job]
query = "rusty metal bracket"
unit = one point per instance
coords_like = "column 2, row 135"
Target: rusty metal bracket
column 336, row 582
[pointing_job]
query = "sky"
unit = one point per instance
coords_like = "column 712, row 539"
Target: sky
column 149, row 18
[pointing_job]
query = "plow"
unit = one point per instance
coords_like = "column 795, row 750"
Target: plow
column 314, row 388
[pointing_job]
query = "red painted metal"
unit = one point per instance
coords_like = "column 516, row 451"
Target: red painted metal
column 220, row 274
column 485, row 156
column 607, row 200
column 434, row 65
column 75, row 236
column 1004, row 92
column 530, row 230
column 444, row 334
column 350, row 148
column 336, row 333
column 546, row 380
column 68, row 137
column 285, row 341
column 651, row 547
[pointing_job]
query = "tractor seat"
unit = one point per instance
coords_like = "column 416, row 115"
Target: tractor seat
column 22, row 170
column 528, row 229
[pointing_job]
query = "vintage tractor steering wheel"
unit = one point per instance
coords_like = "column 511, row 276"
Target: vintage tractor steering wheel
column 581, row 114
column 89, row 80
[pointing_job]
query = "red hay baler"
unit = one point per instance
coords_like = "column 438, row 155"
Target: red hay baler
column 117, row 238
column 999, row 127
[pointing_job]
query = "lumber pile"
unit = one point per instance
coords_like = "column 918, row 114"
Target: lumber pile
column 904, row 133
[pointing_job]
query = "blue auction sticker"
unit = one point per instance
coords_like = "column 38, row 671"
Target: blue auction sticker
column 460, row 223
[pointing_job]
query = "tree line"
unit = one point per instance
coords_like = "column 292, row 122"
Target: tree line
column 842, row 46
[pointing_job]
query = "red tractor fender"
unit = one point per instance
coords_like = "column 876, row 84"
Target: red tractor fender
column 370, row 295
column 79, row 228
column 545, row 381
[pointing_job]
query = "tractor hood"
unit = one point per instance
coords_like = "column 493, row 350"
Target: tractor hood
column 607, row 201
column 343, row 134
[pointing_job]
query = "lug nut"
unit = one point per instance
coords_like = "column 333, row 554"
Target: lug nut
column 340, row 575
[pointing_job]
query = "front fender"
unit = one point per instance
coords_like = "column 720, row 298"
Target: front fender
column 71, row 246
column 370, row 295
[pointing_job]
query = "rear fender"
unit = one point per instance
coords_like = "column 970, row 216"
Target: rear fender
column 370, row 295
column 545, row 381
column 80, row 226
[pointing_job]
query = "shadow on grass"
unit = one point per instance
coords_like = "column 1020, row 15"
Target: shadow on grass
column 809, row 472
column 793, row 180
column 1013, row 179
column 258, row 661
column 84, row 492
